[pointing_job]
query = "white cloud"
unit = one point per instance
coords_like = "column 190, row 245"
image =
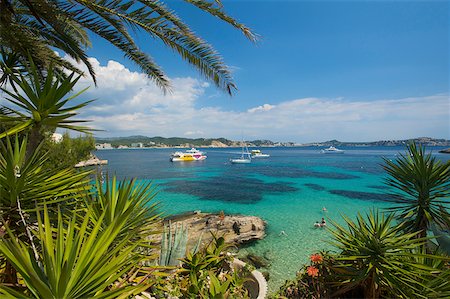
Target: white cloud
column 265, row 107
column 130, row 104
column 193, row 133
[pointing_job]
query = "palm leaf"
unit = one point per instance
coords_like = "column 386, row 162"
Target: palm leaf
column 76, row 263
column 421, row 187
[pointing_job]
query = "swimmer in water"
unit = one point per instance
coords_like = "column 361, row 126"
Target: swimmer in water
column 317, row 224
column 324, row 209
column 323, row 223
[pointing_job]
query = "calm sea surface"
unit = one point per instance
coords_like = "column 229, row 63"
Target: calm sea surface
column 288, row 190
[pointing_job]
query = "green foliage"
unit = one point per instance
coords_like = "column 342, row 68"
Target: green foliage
column 433, row 283
column 26, row 181
column 422, row 186
column 173, row 245
column 76, row 261
column 376, row 256
column 308, row 284
column 376, row 260
column 205, row 274
column 68, row 152
column 44, row 101
column 25, row 184
column 129, row 201
column 172, row 141
column 36, row 28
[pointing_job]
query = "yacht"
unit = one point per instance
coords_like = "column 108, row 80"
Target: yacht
column 259, row 154
column 332, row 150
column 189, row 155
column 245, row 158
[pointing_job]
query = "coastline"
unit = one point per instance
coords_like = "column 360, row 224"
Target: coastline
column 178, row 142
column 445, row 150
column 237, row 229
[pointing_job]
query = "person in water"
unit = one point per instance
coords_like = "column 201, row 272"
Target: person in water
column 317, row 224
column 323, row 223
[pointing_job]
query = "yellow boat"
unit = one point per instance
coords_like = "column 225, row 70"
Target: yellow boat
column 189, row 155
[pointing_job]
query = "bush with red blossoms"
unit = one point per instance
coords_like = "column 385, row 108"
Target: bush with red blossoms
column 311, row 281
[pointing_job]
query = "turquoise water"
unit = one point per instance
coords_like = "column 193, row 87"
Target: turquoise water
column 288, row 190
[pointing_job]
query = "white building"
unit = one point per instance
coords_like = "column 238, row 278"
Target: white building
column 103, row 146
column 56, row 137
column 138, row 144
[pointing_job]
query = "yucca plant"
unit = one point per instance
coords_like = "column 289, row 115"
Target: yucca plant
column 434, row 283
column 205, row 273
column 421, row 189
column 131, row 201
column 42, row 104
column 25, row 185
column 10, row 66
column 75, row 261
column 438, row 287
column 377, row 257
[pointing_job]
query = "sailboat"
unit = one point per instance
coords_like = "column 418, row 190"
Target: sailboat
column 246, row 156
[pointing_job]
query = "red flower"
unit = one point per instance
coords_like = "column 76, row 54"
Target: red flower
column 316, row 258
column 312, row 271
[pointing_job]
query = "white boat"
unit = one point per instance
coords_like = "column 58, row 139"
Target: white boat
column 259, row 154
column 245, row 158
column 332, row 150
column 189, row 155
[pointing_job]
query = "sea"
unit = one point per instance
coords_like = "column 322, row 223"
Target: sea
column 289, row 191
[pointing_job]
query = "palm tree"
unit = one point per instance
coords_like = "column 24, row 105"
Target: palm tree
column 35, row 28
column 422, row 189
column 378, row 258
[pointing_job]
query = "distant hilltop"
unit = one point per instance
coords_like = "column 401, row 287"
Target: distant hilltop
column 427, row 141
column 161, row 142
column 144, row 141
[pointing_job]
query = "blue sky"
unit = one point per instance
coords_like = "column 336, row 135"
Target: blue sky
column 347, row 70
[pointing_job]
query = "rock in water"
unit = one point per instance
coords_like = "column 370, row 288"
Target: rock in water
column 236, row 229
column 445, row 151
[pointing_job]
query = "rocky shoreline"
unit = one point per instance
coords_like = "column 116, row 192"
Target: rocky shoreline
column 236, row 229
column 445, row 151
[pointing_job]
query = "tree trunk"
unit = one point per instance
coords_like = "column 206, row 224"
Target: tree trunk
column 10, row 274
column 34, row 139
column 371, row 289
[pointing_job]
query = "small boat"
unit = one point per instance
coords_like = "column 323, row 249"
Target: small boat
column 245, row 158
column 332, row 150
column 189, row 155
column 259, row 154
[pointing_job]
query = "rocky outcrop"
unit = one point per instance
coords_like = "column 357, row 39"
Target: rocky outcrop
column 236, row 229
column 216, row 143
column 445, row 151
column 92, row 161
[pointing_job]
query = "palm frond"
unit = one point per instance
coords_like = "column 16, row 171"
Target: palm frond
column 76, row 262
column 32, row 28
column 131, row 201
column 27, row 181
column 421, row 187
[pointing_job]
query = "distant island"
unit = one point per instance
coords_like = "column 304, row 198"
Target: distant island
column 162, row 142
